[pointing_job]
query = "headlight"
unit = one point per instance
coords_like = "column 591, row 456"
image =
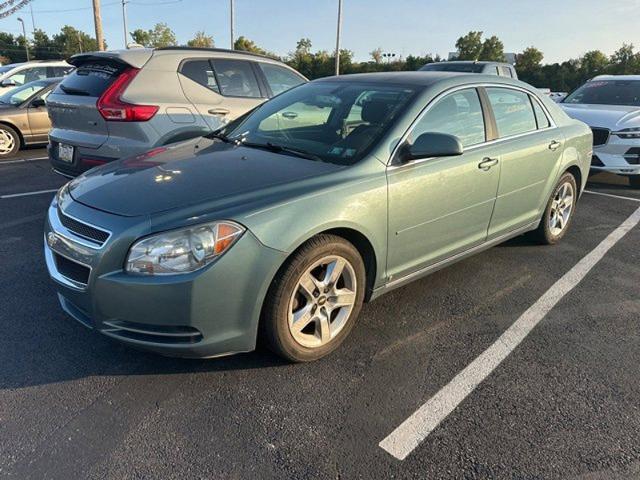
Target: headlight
column 61, row 193
column 182, row 251
column 629, row 133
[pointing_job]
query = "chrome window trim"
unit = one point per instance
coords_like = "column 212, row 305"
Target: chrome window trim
column 430, row 105
column 60, row 229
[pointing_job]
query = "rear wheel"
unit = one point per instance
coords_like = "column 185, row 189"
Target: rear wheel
column 559, row 211
column 313, row 303
column 634, row 181
column 9, row 142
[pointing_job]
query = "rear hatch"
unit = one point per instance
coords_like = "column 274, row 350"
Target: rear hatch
column 75, row 117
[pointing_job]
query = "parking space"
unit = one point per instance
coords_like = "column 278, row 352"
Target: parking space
column 563, row 404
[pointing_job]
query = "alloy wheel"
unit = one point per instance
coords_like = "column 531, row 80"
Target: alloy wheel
column 322, row 301
column 7, row 142
column 561, row 208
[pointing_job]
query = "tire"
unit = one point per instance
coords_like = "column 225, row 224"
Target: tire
column 9, row 142
column 634, row 181
column 301, row 294
column 550, row 232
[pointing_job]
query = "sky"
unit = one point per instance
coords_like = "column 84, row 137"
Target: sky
column 562, row 29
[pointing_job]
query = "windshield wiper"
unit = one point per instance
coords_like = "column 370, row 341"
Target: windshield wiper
column 219, row 136
column 283, row 149
column 74, row 91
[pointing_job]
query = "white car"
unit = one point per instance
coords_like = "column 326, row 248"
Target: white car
column 610, row 105
column 17, row 74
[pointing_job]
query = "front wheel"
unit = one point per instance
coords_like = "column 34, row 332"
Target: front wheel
column 9, row 142
column 559, row 212
column 314, row 301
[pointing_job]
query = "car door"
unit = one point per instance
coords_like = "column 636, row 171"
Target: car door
column 529, row 147
column 439, row 207
column 231, row 88
column 39, row 122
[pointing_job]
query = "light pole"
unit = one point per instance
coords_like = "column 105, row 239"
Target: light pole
column 124, row 23
column 338, row 37
column 24, row 34
column 231, row 19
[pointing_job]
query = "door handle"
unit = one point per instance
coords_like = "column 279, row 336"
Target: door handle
column 219, row 111
column 487, row 163
column 289, row 115
column 554, row 145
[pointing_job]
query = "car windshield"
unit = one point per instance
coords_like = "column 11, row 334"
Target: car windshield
column 336, row 122
column 607, row 92
column 20, row 94
column 453, row 67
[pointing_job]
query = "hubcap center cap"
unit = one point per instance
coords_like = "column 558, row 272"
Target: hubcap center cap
column 322, row 300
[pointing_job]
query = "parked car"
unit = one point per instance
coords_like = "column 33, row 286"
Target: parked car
column 122, row 103
column 23, row 116
column 610, row 105
column 17, row 74
column 489, row 68
column 281, row 224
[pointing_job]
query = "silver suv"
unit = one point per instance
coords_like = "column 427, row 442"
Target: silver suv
column 122, row 103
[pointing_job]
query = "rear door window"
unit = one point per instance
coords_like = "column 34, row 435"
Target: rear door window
column 90, row 79
column 505, row 72
column 236, row 78
column 280, row 78
column 513, row 111
column 201, row 72
column 541, row 117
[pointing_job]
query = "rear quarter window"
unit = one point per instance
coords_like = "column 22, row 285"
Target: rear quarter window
column 90, row 79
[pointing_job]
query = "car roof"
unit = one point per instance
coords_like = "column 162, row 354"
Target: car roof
column 420, row 78
column 616, row 77
column 474, row 62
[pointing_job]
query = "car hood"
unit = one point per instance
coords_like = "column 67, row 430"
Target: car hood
column 613, row 117
column 186, row 174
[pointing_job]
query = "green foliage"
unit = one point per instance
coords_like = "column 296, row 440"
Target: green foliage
column 201, row 40
column 71, row 41
column 469, row 46
column 492, row 50
column 158, row 37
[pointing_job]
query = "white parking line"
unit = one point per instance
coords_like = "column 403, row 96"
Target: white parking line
column 404, row 439
column 612, row 196
column 23, row 160
column 27, row 194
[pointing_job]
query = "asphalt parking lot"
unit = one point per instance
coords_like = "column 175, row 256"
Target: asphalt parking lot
column 563, row 404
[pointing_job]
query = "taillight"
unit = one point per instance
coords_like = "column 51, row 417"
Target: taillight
column 113, row 108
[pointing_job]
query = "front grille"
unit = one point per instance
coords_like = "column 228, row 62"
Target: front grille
column 83, row 230
column 600, row 136
column 72, row 270
column 596, row 162
column 164, row 334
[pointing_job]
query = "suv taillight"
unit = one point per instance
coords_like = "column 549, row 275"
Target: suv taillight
column 113, row 108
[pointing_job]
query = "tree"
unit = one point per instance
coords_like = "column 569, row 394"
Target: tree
column 43, row 47
column 71, row 41
column 244, row 44
column 529, row 60
column 593, row 63
column 492, row 50
column 469, row 46
column 376, row 55
column 201, row 40
column 158, row 37
column 624, row 61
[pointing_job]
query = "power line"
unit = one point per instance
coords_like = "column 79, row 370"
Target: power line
column 79, row 9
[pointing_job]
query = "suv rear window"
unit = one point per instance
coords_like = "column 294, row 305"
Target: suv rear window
column 90, row 79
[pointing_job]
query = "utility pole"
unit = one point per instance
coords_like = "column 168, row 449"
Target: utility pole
column 232, row 33
column 33, row 22
column 24, row 34
column 80, row 42
column 97, row 21
column 124, row 23
column 338, row 37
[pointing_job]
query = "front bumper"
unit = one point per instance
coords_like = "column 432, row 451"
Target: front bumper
column 211, row 312
column 619, row 155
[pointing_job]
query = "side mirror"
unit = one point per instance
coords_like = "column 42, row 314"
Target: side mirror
column 38, row 102
column 8, row 83
column 432, row 144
